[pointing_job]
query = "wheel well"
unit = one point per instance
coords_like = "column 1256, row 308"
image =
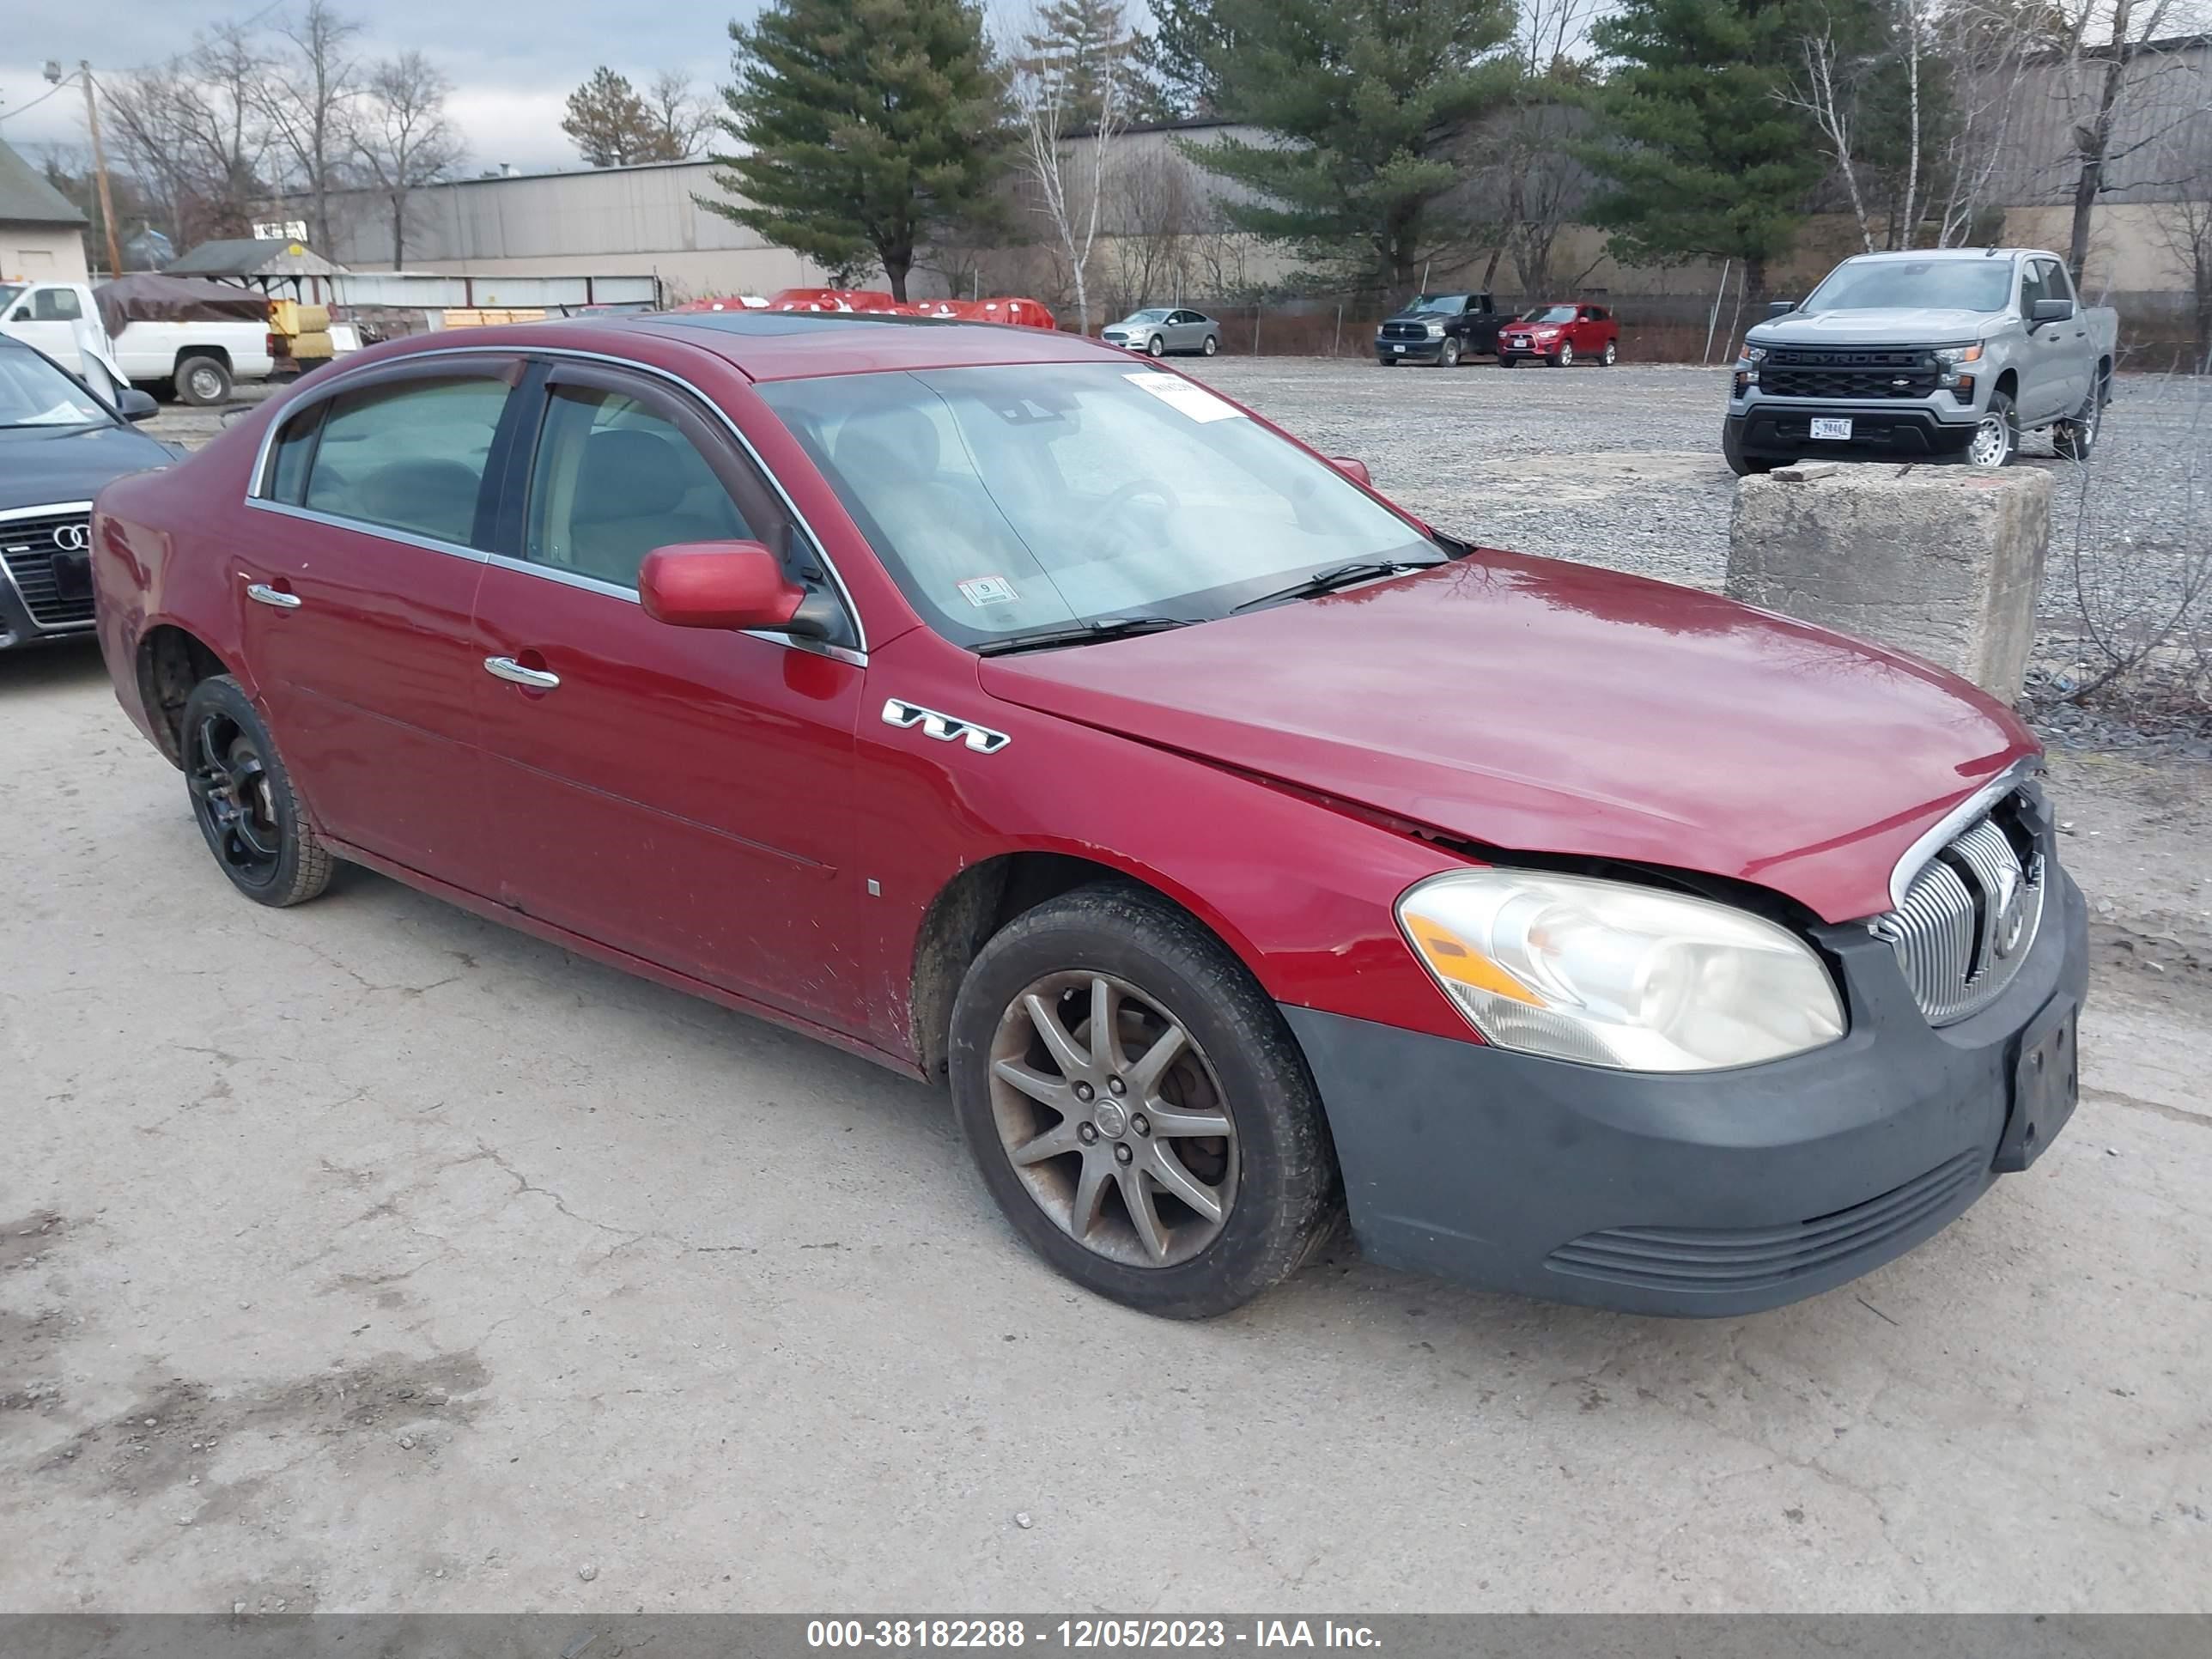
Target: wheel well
column 171, row 662
column 2009, row 383
column 216, row 352
column 972, row 906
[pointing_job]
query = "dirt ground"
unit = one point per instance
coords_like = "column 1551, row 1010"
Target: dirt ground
column 370, row 1256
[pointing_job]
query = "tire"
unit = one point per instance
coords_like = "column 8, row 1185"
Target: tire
column 1508, row 362
column 1157, row 346
column 1743, row 465
column 1610, row 355
column 1448, row 356
column 1273, row 1177
column 201, row 380
column 263, row 843
column 2075, row 437
column 1996, row 442
column 1564, row 357
column 1389, row 362
column 1212, row 344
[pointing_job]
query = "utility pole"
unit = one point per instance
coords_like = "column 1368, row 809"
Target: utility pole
column 99, row 169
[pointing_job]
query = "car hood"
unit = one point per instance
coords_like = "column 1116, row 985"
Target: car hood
column 1539, row 705
column 1902, row 325
column 71, row 463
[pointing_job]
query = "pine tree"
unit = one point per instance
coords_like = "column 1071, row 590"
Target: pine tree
column 1177, row 59
column 1075, row 47
column 1704, row 160
column 610, row 125
column 1372, row 106
column 866, row 125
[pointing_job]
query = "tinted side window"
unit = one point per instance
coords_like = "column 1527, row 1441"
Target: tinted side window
column 55, row 305
column 2056, row 284
column 2032, row 288
column 409, row 457
column 613, row 479
column 288, row 469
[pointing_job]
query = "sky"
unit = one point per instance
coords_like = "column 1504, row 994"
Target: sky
column 513, row 62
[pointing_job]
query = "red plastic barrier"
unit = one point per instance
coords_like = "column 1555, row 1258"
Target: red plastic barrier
column 1021, row 312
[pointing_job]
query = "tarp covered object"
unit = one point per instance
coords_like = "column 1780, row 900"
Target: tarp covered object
column 1027, row 313
column 152, row 298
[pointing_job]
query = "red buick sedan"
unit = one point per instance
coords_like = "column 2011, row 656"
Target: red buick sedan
column 1241, row 850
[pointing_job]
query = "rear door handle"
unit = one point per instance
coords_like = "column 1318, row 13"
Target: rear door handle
column 506, row 668
column 262, row 593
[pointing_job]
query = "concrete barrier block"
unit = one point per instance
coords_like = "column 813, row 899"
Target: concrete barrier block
column 1942, row 562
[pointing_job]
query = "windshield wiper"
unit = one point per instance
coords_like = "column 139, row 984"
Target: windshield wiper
column 1088, row 632
column 1336, row 576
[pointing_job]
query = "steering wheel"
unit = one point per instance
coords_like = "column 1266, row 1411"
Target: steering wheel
column 1107, row 524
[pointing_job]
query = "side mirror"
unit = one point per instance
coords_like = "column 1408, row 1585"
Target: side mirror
column 1780, row 307
column 134, row 405
column 1355, row 470
column 2051, row 311
column 732, row 585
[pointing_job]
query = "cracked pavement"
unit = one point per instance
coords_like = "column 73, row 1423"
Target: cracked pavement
column 369, row 1256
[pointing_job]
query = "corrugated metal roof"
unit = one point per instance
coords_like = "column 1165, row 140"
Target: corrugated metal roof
column 26, row 198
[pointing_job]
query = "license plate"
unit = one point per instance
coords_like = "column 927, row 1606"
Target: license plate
column 1397, row 348
column 1827, row 426
column 72, row 573
column 2046, row 1084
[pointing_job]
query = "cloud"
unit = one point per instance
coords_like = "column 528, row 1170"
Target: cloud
column 512, row 61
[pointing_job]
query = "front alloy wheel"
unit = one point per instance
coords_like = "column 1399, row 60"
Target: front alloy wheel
column 1566, row 355
column 1113, row 1119
column 1157, row 346
column 1137, row 1104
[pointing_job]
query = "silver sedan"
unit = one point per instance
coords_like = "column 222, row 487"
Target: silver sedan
column 1162, row 329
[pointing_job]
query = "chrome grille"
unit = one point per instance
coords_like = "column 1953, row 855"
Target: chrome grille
column 28, row 546
column 1968, row 920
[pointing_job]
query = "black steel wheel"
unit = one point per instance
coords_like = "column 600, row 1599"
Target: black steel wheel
column 243, row 798
column 1137, row 1105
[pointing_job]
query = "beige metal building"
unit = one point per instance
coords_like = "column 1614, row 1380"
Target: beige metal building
column 42, row 235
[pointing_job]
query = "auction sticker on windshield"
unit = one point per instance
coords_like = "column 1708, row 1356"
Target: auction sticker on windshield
column 1184, row 397
column 988, row 590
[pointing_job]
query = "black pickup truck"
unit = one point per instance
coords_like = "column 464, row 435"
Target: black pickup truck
column 1440, row 328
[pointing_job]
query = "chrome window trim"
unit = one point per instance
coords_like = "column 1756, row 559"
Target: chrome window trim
column 15, row 587
column 258, row 480
column 369, row 527
column 1947, row 828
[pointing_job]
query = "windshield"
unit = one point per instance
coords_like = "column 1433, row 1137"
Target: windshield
column 1933, row 284
column 1451, row 303
column 1551, row 315
column 33, row 392
column 1157, row 315
column 1008, row 500
column 8, row 292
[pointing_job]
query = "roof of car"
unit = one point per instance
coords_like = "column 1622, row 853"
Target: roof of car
column 1950, row 252
column 788, row 345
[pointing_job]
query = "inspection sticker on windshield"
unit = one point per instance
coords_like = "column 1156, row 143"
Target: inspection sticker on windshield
column 1184, row 397
column 988, row 590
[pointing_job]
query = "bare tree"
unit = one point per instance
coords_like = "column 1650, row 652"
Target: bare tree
column 195, row 130
column 1152, row 210
column 682, row 117
column 1052, row 87
column 1533, row 175
column 306, row 94
column 402, row 138
column 1825, row 92
column 1991, row 44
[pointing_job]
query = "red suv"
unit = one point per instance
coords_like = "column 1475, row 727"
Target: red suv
column 1562, row 335
column 1239, row 849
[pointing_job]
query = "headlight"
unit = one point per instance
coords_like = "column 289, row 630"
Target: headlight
column 1753, row 354
column 1611, row 974
column 1950, row 358
column 1436, row 330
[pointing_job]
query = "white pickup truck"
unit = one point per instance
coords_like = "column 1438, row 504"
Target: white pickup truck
column 192, row 340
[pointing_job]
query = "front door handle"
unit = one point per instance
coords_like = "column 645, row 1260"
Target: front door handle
column 262, row 593
column 506, row 668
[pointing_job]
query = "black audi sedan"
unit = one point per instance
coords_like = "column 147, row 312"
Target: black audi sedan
column 59, row 442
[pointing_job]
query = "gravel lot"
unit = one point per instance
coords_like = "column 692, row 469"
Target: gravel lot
column 1622, row 467
column 370, row 1256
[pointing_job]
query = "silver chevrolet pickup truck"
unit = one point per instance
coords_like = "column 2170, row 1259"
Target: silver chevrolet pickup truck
column 1926, row 354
